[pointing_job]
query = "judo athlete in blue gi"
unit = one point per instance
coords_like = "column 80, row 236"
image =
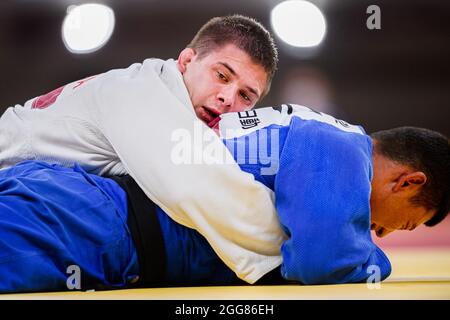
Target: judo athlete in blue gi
column 332, row 185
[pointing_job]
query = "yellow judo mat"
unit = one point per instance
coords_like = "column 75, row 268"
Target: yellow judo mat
column 417, row 273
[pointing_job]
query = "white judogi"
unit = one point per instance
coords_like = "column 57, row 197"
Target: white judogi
column 123, row 121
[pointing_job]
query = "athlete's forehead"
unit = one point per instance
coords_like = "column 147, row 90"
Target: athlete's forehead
column 241, row 66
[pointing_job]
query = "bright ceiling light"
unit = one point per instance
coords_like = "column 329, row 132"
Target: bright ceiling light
column 88, row 27
column 298, row 23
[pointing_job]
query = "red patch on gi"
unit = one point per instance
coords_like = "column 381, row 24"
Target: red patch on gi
column 48, row 99
column 45, row 100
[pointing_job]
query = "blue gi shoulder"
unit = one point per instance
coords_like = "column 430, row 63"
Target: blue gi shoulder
column 322, row 193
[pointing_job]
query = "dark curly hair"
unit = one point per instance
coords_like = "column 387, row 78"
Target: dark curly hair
column 427, row 151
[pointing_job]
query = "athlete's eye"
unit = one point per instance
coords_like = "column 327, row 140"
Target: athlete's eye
column 222, row 76
column 243, row 95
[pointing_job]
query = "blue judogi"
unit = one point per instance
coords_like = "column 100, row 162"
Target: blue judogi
column 52, row 217
column 323, row 202
column 320, row 169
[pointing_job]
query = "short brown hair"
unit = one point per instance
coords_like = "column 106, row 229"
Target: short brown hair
column 245, row 33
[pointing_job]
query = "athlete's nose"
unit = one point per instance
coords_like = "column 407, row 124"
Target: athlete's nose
column 227, row 97
column 382, row 232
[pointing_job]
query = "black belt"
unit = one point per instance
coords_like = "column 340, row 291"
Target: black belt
column 146, row 233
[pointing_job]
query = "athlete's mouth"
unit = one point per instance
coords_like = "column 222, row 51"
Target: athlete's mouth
column 208, row 114
column 213, row 122
column 212, row 112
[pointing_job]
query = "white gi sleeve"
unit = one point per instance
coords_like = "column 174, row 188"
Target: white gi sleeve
column 139, row 116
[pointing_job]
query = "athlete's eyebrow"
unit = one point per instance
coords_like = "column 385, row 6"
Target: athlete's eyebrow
column 226, row 65
column 252, row 90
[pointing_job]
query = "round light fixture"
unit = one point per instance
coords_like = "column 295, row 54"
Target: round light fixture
column 87, row 27
column 299, row 23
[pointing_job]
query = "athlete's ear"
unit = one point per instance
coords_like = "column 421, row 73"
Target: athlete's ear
column 411, row 181
column 186, row 56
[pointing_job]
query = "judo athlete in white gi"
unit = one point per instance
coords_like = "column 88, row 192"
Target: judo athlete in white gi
column 332, row 184
column 122, row 121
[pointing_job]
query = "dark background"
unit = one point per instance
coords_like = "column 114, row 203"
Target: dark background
column 395, row 76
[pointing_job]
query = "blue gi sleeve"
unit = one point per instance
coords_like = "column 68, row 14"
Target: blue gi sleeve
column 323, row 201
